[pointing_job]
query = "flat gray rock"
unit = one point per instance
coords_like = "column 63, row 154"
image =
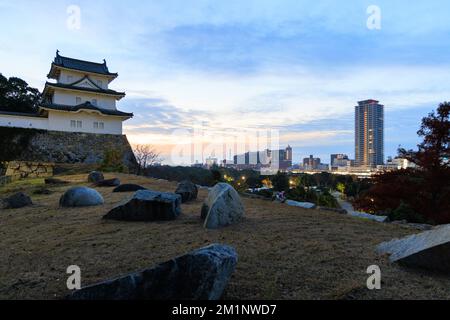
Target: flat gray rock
column 305, row 205
column 428, row 250
column 108, row 183
column 368, row 216
column 147, row 205
column 81, row 197
column 200, row 275
column 222, row 207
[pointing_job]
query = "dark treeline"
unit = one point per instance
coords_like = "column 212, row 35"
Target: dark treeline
column 314, row 188
column 17, row 96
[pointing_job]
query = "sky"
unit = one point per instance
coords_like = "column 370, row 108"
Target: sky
column 228, row 69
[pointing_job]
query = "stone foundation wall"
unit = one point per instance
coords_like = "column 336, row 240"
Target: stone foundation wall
column 20, row 170
column 65, row 147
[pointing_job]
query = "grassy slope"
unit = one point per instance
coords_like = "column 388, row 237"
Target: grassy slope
column 284, row 252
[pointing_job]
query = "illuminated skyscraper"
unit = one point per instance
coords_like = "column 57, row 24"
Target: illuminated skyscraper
column 369, row 133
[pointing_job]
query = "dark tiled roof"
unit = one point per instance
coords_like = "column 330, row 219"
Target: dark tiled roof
column 68, row 86
column 22, row 114
column 86, row 106
column 82, row 65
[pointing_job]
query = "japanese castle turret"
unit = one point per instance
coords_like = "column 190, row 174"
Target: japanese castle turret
column 80, row 100
column 77, row 98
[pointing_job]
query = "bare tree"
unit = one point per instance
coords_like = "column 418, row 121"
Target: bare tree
column 146, row 155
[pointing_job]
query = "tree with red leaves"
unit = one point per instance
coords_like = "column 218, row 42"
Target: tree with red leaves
column 425, row 189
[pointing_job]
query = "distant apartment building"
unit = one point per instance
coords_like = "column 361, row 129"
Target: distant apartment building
column 260, row 159
column 398, row 164
column 369, row 133
column 211, row 162
column 311, row 163
column 340, row 161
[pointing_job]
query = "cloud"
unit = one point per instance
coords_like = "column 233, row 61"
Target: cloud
column 295, row 66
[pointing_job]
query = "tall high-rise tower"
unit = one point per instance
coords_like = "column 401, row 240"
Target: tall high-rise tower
column 369, row 133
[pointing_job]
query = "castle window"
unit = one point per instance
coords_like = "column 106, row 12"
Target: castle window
column 99, row 125
column 79, row 124
column 100, row 83
column 69, row 79
column 78, row 100
column 94, row 102
column 73, row 123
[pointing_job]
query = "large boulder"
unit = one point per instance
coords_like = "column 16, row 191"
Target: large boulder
column 187, row 190
column 147, row 205
column 95, row 176
column 18, row 200
column 429, row 250
column 200, row 275
column 128, row 188
column 108, row 183
column 81, row 197
column 222, row 207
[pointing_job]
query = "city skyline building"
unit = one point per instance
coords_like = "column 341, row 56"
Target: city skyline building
column 369, row 133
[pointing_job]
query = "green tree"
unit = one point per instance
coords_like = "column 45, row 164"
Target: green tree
column 340, row 187
column 17, row 96
column 280, row 181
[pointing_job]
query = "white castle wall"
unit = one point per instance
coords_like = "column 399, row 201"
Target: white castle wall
column 69, row 77
column 19, row 121
column 69, row 99
column 61, row 121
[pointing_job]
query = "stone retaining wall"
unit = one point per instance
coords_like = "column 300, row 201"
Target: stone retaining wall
column 23, row 169
column 64, row 147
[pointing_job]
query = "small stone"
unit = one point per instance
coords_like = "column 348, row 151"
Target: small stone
column 187, row 190
column 95, row 176
column 16, row 201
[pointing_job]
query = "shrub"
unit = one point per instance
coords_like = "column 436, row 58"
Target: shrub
column 280, row 182
column 112, row 161
column 406, row 212
column 327, row 200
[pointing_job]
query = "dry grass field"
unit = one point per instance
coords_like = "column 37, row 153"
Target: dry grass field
column 284, row 252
